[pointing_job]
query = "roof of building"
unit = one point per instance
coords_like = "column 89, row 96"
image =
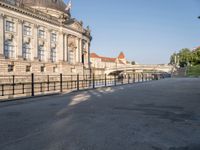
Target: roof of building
column 94, row 55
column 104, row 59
column 121, row 56
column 108, row 59
column 53, row 4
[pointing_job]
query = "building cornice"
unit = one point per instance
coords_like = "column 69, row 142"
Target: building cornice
column 25, row 10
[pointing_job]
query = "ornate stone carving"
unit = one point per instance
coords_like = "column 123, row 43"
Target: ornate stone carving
column 27, row 40
column 9, row 37
column 20, row 21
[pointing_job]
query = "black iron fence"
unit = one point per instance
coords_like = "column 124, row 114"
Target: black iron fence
column 31, row 85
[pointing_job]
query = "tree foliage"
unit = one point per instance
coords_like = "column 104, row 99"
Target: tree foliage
column 186, row 57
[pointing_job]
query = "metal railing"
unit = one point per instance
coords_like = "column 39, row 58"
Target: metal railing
column 31, row 85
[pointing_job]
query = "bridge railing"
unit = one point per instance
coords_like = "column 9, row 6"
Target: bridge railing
column 31, row 85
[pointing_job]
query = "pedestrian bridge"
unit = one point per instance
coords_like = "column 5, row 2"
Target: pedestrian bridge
column 140, row 68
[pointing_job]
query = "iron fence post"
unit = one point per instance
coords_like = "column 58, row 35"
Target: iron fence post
column 48, row 82
column 142, row 77
column 105, row 80
column 93, row 79
column 115, row 80
column 77, row 82
column 13, row 80
column 61, row 83
column 32, row 85
column 2, row 90
column 23, row 88
column 128, row 79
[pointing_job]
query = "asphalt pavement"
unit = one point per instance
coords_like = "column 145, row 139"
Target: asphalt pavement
column 156, row 115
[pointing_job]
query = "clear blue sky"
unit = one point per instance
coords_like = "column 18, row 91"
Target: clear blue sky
column 147, row 31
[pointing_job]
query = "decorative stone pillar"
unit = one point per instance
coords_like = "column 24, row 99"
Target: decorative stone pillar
column 77, row 50
column 2, row 30
column 60, row 47
column 48, row 45
column 67, row 48
column 35, row 45
column 80, row 50
column 88, row 52
column 63, row 57
column 20, row 38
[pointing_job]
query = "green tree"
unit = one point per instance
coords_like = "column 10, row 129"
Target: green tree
column 185, row 57
column 196, row 57
column 173, row 58
column 133, row 63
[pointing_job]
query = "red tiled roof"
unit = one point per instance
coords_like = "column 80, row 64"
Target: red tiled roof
column 121, row 56
column 104, row 59
column 108, row 59
column 94, row 55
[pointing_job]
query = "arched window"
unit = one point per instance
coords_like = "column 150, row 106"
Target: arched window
column 9, row 49
column 26, row 52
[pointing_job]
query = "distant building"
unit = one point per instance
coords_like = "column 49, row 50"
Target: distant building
column 41, row 37
column 100, row 63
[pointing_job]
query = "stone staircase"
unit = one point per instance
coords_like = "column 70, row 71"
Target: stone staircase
column 180, row 72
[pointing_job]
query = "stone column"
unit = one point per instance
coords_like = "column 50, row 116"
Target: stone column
column 2, row 30
column 63, row 57
column 77, row 50
column 80, row 50
column 88, row 52
column 35, row 45
column 67, row 48
column 60, row 48
column 20, row 38
column 48, row 45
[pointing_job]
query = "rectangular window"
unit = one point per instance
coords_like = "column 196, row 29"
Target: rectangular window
column 27, row 30
column 54, row 69
column 41, row 53
column 26, row 51
column 41, row 34
column 42, row 69
column 28, row 68
column 10, row 68
column 10, row 26
column 71, row 57
column 53, row 37
column 9, row 49
column 53, row 55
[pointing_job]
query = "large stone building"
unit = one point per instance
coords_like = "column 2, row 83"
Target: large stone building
column 40, row 36
column 100, row 63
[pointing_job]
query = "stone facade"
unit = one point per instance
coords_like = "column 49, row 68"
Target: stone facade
column 42, row 40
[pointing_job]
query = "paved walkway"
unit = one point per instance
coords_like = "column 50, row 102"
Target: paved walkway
column 158, row 115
